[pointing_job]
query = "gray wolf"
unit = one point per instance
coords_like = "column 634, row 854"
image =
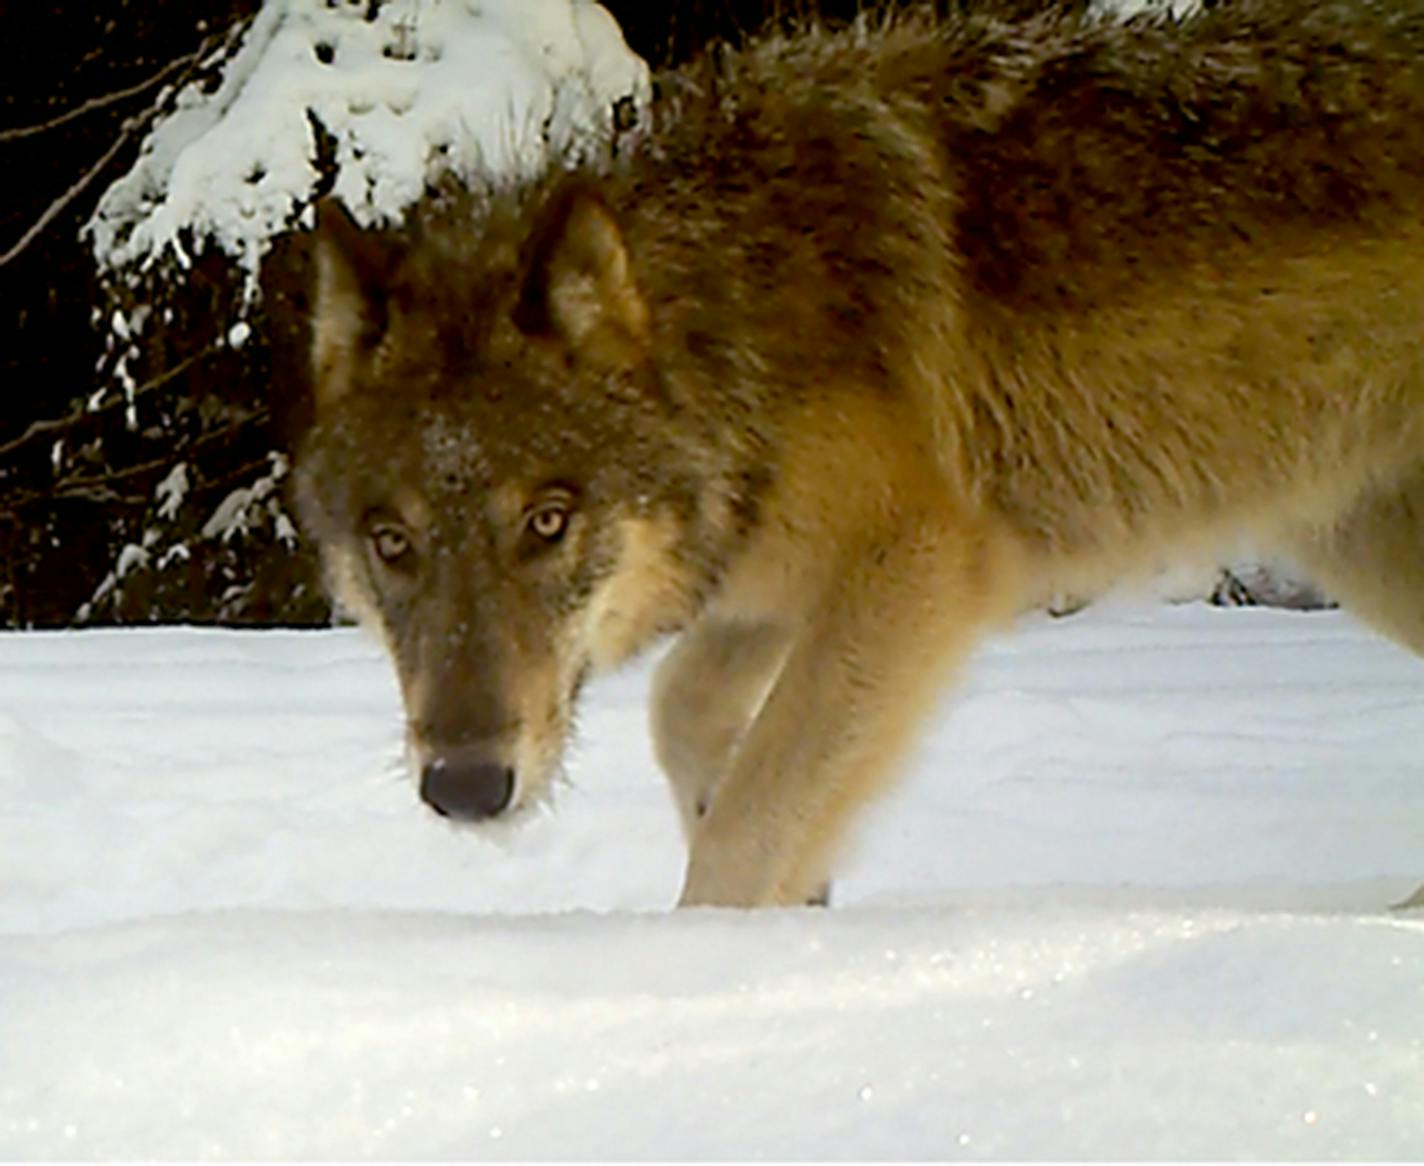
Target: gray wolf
column 873, row 339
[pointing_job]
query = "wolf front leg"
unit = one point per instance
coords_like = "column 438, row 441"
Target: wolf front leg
column 706, row 692
column 870, row 659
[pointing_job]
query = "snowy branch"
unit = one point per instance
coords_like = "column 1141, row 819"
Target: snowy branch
column 84, row 487
column 130, row 127
column 99, row 487
column 81, row 411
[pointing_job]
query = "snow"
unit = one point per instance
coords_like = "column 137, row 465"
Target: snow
column 172, row 490
column 477, row 88
column 1129, row 902
column 248, row 506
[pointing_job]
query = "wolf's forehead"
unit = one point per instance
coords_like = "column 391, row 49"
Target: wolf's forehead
column 452, row 451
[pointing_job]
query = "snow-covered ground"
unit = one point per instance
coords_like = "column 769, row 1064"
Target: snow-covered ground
column 1129, row 903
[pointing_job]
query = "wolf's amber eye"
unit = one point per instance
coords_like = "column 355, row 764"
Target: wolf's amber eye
column 549, row 523
column 390, row 543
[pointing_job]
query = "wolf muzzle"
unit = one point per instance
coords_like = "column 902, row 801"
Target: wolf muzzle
column 467, row 789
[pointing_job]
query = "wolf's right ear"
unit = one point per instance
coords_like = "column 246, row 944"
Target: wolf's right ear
column 349, row 313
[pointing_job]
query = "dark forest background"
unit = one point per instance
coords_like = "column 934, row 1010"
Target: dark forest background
column 80, row 503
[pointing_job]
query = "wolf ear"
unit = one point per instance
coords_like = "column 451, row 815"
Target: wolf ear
column 353, row 270
column 579, row 284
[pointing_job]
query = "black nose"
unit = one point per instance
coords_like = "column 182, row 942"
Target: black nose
column 464, row 790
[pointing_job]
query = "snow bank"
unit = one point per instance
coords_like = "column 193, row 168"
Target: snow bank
column 944, row 1033
column 1129, row 903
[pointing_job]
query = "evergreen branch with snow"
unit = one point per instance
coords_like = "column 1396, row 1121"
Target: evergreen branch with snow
column 130, row 127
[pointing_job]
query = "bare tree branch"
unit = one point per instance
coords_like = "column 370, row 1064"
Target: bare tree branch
column 94, row 103
column 57, row 207
column 15, row 505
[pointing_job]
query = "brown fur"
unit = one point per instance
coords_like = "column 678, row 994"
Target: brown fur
column 876, row 338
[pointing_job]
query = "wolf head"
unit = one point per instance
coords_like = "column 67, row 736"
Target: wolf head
column 494, row 475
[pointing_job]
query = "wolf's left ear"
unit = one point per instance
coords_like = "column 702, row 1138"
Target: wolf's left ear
column 349, row 310
column 579, row 284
